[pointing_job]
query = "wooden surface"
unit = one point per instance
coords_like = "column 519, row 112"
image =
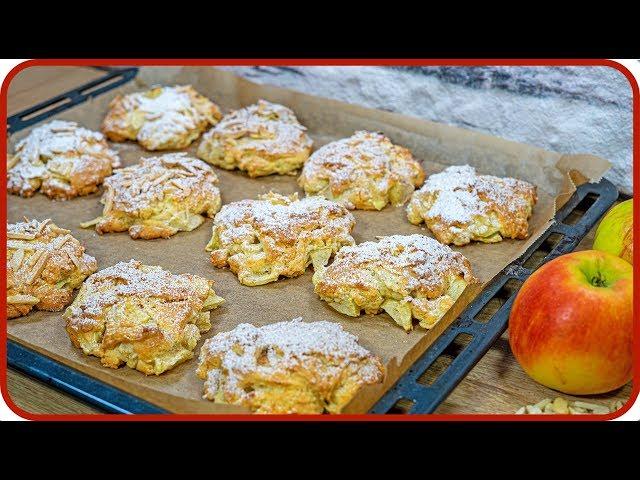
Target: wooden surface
column 495, row 385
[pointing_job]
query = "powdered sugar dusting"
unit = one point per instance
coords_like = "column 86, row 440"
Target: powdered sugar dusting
column 266, row 127
column 282, row 347
column 35, row 235
column 283, row 217
column 364, row 156
column 127, row 279
column 171, row 99
column 420, row 260
column 169, row 112
column 45, row 263
column 55, row 150
column 175, row 175
column 30, row 228
column 59, row 137
column 167, row 115
column 461, row 194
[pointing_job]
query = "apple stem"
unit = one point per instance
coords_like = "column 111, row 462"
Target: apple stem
column 598, row 280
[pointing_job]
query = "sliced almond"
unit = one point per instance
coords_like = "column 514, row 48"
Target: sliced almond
column 60, row 241
column 90, row 223
column 617, row 405
column 63, row 129
column 79, row 265
column 20, row 236
column 16, row 260
column 161, row 178
column 543, row 403
column 560, row 405
column 56, row 229
column 176, row 184
column 22, row 300
column 594, row 407
column 38, row 267
column 533, row 410
column 183, row 173
column 42, row 226
column 33, row 259
column 191, row 169
column 19, row 245
column 12, row 160
column 108, row 202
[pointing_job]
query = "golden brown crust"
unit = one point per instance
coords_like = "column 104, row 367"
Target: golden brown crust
column 159, row 197
column 261, row 139
column 460, row 206
column 162, row 118
column 44, row 265
column 62, row 160
column 261, row 240
column 140, row 315
column 287, row 367
column 408, row 276
column 365, row 171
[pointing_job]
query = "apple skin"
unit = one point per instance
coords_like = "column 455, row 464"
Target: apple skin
column 570, row 334
column 615, row 232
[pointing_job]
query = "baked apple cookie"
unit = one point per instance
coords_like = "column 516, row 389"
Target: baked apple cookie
column 460, row 206
column 261, row 139
column 261, row 240
column 61, row 159
column 365, row 171
column 141, row 316
column 287, row 367
column 45, row 263
column 408, row 276
column 158, row 197
column 162, row 118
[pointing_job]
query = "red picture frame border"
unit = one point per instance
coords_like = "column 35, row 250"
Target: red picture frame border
column 323, row 62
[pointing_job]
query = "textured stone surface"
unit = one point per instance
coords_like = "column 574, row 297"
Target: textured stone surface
column 566, row 109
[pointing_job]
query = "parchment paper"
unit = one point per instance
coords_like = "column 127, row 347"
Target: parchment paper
column 437, row 145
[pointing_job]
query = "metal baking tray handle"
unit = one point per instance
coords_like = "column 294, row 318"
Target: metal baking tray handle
column 59, row 103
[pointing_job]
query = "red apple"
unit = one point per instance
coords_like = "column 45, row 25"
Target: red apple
column 571, row 325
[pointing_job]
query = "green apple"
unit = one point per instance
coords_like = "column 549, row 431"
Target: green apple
column 615, row 232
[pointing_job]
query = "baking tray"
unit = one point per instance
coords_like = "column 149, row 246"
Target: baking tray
column 435, row 373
